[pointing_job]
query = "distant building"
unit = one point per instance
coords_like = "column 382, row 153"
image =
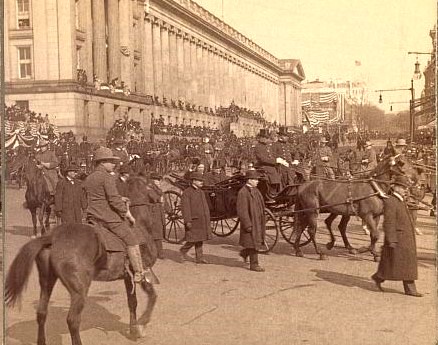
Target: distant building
column 89, row 62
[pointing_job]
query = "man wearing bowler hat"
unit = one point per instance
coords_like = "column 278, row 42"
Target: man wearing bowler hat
column 399, row 252
column 70, row 199
column 250, row 210
column 107, row 208
column 196, row 215
column 323, row 159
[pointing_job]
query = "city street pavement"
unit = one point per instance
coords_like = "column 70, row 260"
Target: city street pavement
column 296, row 301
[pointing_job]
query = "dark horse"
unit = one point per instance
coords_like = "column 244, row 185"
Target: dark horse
column 74, row 254
column 38, row 198
column 347, row 198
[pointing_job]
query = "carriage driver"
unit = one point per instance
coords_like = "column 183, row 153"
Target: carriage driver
column 106, row 207
column 48, row 162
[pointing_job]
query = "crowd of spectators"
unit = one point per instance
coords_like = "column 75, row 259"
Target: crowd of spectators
column 16, row 113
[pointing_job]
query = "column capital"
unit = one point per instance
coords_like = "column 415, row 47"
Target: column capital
column 185, row 36
column 156, row 21
column 179, row 33
column 205, row 45
column 193, row 39
column 172, row 30
column 165, row 26
column 199, row 42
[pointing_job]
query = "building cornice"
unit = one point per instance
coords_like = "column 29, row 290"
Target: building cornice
column 197, row 15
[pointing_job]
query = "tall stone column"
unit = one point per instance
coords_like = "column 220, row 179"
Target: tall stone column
column 173, row 65
column 158, row 70
column 216, row 81
column 113, row 39
column 199, row 75
column 187, row 68
column 194, row 71
column 148, row 57
column 166, row 61
column 88, row 24
column 141, row 42
column 126, row 50
column 99, row 43
column 181, row 90
column 211, row 79
column 205, row 76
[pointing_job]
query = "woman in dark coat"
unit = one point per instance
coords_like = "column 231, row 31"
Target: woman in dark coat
column 399, row 252
column 196, row 216
column 250, row 210
column 154, row 204
column 70, row 198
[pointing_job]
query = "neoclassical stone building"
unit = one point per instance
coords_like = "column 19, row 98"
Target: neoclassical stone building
column 177, row 59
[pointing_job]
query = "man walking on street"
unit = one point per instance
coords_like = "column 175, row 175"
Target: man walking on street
column 250, row 210
column 399, row 252
column 196, row 216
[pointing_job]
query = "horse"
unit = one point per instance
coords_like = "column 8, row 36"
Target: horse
column 38, row 199
column 74, row 254
column 348, row 197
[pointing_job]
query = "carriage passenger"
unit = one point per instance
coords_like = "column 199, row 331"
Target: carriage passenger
column 107, row 208
column 196, row 216
column 48, row 163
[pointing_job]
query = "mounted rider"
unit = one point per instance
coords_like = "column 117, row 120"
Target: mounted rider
column 368, row 163
column 48, row 163
column 107, row 208
column 323, row 158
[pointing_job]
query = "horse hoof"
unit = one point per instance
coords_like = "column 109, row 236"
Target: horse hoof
column 352, row 251
column 363, row 249
column 141, row 331
column 330, row 245
column 299, row 254
column 323, row 257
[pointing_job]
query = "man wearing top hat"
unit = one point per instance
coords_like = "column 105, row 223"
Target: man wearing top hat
column 196, row 215
column 324, row 158
column 48, row 163
column 250, row 210
column 399, row 253
column 207, row 152
column 281, row 148
column 106, row 207
column 266, row 160
column 70, row 198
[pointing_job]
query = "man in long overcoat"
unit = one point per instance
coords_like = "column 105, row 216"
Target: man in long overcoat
column 399, row 252
column 48, row 162
column 250, row 210
column 196, row 215
column 70, row 198
column 154, row 201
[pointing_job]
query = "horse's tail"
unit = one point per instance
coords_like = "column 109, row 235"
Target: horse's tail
column 19, row 271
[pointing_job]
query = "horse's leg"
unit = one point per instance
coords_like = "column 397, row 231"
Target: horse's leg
column 77, row 283
column 328, row 222
column 144, row 319
column 47, row 211
column 313, row 225
column 47, row 280
column 132, row 304
column 41, row 212
column 343, row 230
column 33, row 213
column 371, row 223
column 299, row 226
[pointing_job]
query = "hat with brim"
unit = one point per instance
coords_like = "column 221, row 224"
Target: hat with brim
column 196, row 176
column 323, row 140
column 400, row 142
column 252, row 175
column 105, row 154
column 401, row 181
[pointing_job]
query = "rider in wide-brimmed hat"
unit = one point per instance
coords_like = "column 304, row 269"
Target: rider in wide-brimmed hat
column 48, row 163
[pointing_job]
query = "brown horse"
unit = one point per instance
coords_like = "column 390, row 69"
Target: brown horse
column 342, row 197
column 74, row 254
column 38, row 199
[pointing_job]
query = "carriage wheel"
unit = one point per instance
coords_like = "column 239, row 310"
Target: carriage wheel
column 288, row 231
column 224, row 227
column 271, row 236
column 174, row 231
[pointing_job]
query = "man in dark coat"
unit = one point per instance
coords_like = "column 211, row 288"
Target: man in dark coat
column 399, row 252
column 196, row 216
column 70, row 199
column 154, row 201
column 48, row 163
column 121, row 181
column 250, row 210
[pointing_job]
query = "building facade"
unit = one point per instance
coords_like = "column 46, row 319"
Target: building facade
column 168, row 57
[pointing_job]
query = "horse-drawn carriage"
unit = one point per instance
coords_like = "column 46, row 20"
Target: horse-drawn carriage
column 221, row 198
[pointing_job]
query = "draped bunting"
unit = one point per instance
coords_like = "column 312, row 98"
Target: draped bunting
column 317, row 108
column 20, row 133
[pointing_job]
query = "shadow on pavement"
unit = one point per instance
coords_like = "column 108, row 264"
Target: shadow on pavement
column 94, row 316
column 212, row 259
column 349, row 280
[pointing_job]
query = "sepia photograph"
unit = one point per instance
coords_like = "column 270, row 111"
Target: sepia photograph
column 218, row 172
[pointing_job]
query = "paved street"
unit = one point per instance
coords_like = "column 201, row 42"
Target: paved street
column 296, row 301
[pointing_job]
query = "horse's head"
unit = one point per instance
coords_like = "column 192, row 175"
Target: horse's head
column 393, row 166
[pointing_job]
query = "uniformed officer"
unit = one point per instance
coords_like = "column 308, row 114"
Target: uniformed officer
column 48, row 163
column 120, row 151
column 207, row 152
column 106, row 207
column 324, row 157
column 133, row 146
column 281, row 148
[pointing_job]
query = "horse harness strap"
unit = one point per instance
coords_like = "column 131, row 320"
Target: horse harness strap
column 350, row 200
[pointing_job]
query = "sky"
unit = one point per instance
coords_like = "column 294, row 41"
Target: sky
column 328, row 36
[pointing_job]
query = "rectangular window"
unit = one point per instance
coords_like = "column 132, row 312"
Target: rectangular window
column 23, row 14
column 78, row 57
column 22, row 104
column 24, row 63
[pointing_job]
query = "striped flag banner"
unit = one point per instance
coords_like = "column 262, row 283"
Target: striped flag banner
column 328, row 97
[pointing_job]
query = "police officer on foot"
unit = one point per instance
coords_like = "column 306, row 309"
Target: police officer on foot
column 399, row 252
column 196, row 215
column 250, row 210
column 107, row 208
